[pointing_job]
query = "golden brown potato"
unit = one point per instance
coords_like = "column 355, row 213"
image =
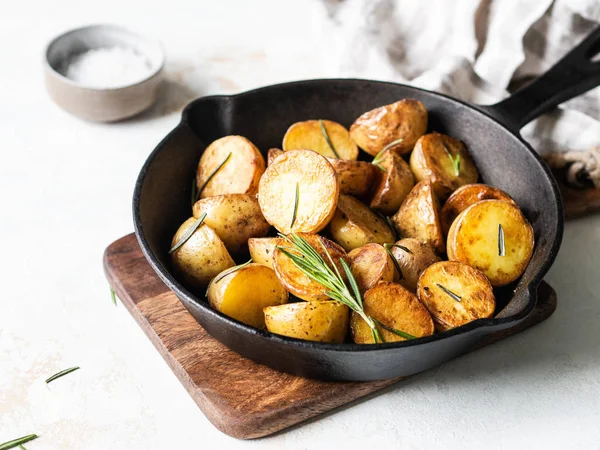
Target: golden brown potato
column 238, row 174
column 322, row 321
column 294, row 279
column 455, row 294
column 272, row 154
column 371, row 264
column 375, row 129
column 355, row 177
column 201, row 257
column 309, row 135
column 354, row 225
column 263, row 249
column 417, row 257
column 444, row 161
column 418, row 217
column 464, row 197
column 477, row 235
column 394, row 307
column 243, row 293
column 393, row 185
column 235, row 217
column 307, row 176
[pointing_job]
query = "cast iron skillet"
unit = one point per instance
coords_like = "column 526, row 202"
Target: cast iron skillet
column 491, row 133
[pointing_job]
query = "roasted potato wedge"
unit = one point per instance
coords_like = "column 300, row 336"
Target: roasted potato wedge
column 455, row 294
column 464, row 197
column 309, row 135
column 413, row 258
column 375, row 129
column 263, row 249
column 219, row 173
column 354, row 225
column 243, row 293
column 303, row 175
column 493, row 236
column 418, row 217
column 272, row 154
column 444, row 161
column 235, row 217
column 201, row 257
column 322, row 321
column 393, row 185
column 355, row 177
column 394, row 307
column 294, row 280
column 371, row 264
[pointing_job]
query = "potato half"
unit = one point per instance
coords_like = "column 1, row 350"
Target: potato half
column 240, row 174
column 309, row 135
column 413, row 258
column 294, row 279
column 394, row 307
column 263, row 249
column 475, row 238
column 235, row 217
column 371, row 265
column 393, row 185
column 455, row 294
column 272, row 154
column 355, row 177
column 323, row 321
column 354, row 225
column 418, row 217
column 464, row 197
column 313, row 179
column 432, row 159
column 245, row 292
column 201, row 257
column 375, row 129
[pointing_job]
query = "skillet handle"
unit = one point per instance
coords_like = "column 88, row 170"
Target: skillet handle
column 573, row 75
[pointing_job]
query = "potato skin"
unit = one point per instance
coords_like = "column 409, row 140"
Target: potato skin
column 371, row 265
column 272, row 154
column 393, row 185
column 355, row 177
column 244, row 293
column 235, row 218
column 472, row 286
column 354, row 225
column 263, row 249
column 418, row 217
column 473, row 240
column 322, row 321
column 413, row 264
column 395, row 307
column 405, row 119
column 430, row 161
column 308, row 135
column 464, row 197
column 240, row 174
column 201, row 257
column 318, row 192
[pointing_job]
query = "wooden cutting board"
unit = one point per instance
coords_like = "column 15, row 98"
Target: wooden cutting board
column 241, row 398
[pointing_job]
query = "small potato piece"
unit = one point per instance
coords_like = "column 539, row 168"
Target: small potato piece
column 201, row 257
column 396, row 308
column 413, row 262
column 474, row 240
column 355, row 177
column 235, row 217
column 371, row 265
column 263, row 249
column 244, row 293
column 323, row 321
column 394, row 184
column 475, row 296
column 308, row 135
column 418, row 217
column 354, row 225
column 307, row 173
column 430, row 160
column 272, row 154
column 239, row 175
column 464, row 197
column 406, row 120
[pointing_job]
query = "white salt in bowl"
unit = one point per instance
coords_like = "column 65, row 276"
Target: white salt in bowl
column 103, row 73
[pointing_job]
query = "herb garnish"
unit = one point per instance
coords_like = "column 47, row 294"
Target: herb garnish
column 458, row 298
column 501, row 246
column 327, row 139
column 113, row 296
column 394, row 261
column 455, row 160
column 210, row 177
column 230, row 271
column 401, row 247
column 295, row 205
column 393, row 330
column 17, row 442
column 188, row 233
column 61, row 373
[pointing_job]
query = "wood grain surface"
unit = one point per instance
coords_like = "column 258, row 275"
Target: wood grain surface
column 241, row 398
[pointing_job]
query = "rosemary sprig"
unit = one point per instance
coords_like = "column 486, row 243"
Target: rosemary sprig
column 210, row 177
column 394, row 260
column 455, row 160
column 188, row 233
column 17, row 442
column 61, row 374
column 113, row 296
column 21, row 447
column 295, row 205
column 393, row 330
column 327, row 138
column 377, row 160
column 230, row 271
column 501, row 245
column 458, row 298
column 401, row 247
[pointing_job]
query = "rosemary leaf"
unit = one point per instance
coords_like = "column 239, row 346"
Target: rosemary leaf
column 188, row 233
column 210, row 177
column 380, row 167
column 61, row 374
column 113, row 296
column 391, row 225
column 326, row 136
column 295, row 205
column 21, row 447
column 393, row 330
column 401, row 247
column 501, row 245
column 455, row 160
column 17, row 442
column 449, row 292
column 394, row 260
column 230, row 271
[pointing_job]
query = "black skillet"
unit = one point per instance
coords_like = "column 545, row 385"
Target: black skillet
column 491, row 133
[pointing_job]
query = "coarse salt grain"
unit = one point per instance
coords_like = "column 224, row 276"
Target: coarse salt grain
column 106, row 68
